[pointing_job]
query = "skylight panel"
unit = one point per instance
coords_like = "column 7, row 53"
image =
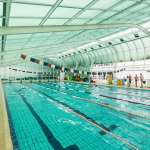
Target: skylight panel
column 124, row 5
column 75, row 3
column 1, row 8
column 55, row 21
column 101, row 4
column 25, row 10
column 67, row 12
column 50, row 2
column 24, row 22
column 89, row 14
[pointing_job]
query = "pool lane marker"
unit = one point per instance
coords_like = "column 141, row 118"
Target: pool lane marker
column 107, row 132
column 124, row 100
column 108, row 106
column 47, row 132
column 113, row 98
column 120, row 93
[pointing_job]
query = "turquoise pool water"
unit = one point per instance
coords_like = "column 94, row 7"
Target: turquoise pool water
column 37, row 123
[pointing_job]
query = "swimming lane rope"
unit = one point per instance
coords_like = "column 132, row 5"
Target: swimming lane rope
column 128, row 144
column 104, row 105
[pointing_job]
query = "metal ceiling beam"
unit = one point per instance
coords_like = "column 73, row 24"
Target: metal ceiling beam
column 44, row 4
column 44, row 19
column 42, row 47
column 5, row 22
column 60, row 28
column 113, row 16
column 71, row 19
column 97, row 16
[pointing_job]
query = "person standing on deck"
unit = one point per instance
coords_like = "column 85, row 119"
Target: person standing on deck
column 128, row 84
column 136, row 80
column 130, row 79
column 141, row 79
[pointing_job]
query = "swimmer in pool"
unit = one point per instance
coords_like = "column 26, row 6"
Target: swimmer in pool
column 24, row 82
column 22, row 89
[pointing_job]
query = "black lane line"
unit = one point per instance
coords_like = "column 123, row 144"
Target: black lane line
column 111, row 128
column 51, row 139
column 11, row 126
column 130, row 117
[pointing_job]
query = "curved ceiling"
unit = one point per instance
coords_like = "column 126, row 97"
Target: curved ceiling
column 75, row 12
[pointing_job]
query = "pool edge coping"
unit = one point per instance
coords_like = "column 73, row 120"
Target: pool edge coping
column 7, row 136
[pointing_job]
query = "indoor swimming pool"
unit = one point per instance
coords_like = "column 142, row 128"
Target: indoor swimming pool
column 65, row 116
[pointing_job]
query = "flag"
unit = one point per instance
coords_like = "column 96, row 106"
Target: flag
column 82, row 72
column 98, row 73
column 66, row 69
column 9, row 68
column 23, row 56
column 19, row 70
column 23, row 71
column 49, row 65
column 34, row 72
column 124, row 68
column 45, row 64
column 88, row 73
column 56, row 67
column 92, row 73
column 95, row 73
column 32, row 59
column 69, row 70
column 114, row 71
column 52, row 66
column 37, row 61
column 77, row 71
column 60, row 68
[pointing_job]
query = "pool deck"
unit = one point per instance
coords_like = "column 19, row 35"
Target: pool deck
column 5, row 137
column 124, row 86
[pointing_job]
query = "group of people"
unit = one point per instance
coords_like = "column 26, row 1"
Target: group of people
column 136, row 80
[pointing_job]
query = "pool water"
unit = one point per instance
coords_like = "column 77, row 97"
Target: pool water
column 37, row 122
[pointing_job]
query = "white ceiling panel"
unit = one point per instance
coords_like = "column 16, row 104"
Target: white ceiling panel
column 75, row 3
column 55, row 21
column 25, row 10
column 65, row 12
column 101, row 4
column 24, row 22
